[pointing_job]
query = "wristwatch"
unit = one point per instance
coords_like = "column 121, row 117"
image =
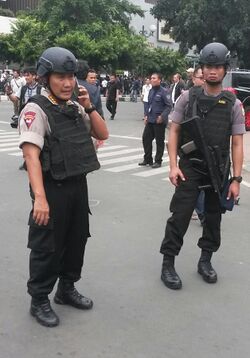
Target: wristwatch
column 90, row 109
column 238, row 179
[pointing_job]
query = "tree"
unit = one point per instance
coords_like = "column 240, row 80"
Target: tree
column 68, row 14
column 94, row 30
column 97, row 30
column 198, row 22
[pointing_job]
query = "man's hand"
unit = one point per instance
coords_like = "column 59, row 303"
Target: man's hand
column 41, row 211
column 175, row 175
column 159, row 120
column 83, row 97
column 145, row 120
column 234, row 190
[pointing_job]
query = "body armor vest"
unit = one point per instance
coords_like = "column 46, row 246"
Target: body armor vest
column 216, row 118
column 68, row 150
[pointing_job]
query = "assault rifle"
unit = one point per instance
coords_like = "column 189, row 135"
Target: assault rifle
column 217, row 171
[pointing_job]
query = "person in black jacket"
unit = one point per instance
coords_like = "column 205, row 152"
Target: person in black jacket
column 177, row 87
column 93, row 88
column 156, row 119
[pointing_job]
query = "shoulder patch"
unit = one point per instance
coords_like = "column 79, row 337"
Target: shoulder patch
column 29, row 117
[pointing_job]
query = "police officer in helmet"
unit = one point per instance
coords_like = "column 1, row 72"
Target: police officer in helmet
column 220, row 119
column 55, row 137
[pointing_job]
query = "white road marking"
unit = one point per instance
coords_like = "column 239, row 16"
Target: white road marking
column 6, row 145
column 8, row 140
column 120, row 160
column 8, row 149
column 123, row 168
column 152, row 172
column 111, row 147
column 119, row 152
column 18, row 154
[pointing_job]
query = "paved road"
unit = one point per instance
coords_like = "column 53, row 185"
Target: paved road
column 134, row 315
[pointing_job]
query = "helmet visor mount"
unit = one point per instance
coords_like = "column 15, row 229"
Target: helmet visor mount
column 215, row 54
column 47, row 67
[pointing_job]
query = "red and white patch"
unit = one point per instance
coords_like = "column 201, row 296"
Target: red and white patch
column 29, row 117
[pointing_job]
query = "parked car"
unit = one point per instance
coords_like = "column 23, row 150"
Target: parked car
column 238, row 81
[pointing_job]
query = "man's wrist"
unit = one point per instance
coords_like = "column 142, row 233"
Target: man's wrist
column 90, row 109
column 237, row 179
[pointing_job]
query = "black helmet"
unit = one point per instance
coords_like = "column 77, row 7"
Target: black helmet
column 215, row 53
column 56, row 59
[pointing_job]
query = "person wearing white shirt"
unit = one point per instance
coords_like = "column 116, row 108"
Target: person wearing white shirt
column 144, row 96
column 16, row 83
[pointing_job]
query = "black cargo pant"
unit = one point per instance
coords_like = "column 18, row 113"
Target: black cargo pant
column 57, row 249
column 182, row 206
column 111, row 105
column 153, row 131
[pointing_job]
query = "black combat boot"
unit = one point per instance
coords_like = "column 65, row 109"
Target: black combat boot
column 44, row 314
column 168, row 274
column 205, row 269
column 67, row 294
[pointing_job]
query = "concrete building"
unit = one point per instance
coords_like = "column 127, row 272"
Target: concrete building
column 5, row 24
column 17, row 5
column 144, row 25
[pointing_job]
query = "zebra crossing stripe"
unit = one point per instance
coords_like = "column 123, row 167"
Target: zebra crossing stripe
column 120, row 160
column 18, row 154
column 9, row 140
column 122, row 168
column 119, row 152
column 8, row 149
column 9, row 136
column 111, row 147
column 152, row 172
column 4, row 145
column 11, row 133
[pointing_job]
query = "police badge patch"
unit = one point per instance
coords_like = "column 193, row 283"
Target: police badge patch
column 29, row 118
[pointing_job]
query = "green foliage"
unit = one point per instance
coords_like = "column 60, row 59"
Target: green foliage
column 163, row 60
column 94, row 30
column 68, row 14
column 198, row 22
column 28, row 39
column 6, row 12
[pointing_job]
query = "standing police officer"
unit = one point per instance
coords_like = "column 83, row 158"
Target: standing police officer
column 156, row 118
column 221, row 119
column 58, row 151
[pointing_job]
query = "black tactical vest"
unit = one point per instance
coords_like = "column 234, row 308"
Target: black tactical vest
column 216, row 117
column 68, row 150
